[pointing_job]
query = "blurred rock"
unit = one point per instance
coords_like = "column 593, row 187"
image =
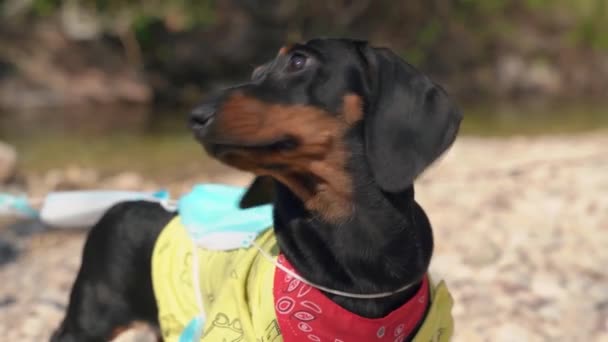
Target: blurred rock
column 485, row 252
column 27, row 227
column 49, row 68
column 80, row 22
column 510, row 332
column 8, row 252
column 547, row 285
column 509, row 70
column 124, row 181
column 8, row 162
column 543, row 77
column 515, row 75
column 71, row 178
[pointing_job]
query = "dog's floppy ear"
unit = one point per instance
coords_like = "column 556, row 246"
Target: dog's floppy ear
column 259, row 192
column 409, row 120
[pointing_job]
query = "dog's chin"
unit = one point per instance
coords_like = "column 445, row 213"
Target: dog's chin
column 247, row 156
column 221, row 149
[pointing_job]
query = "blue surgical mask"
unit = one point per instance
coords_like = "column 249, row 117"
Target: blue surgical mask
column 211, row 214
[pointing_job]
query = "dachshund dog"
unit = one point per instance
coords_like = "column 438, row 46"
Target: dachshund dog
column 336, row 131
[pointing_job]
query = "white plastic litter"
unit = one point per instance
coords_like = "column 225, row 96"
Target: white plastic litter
column 77, row 209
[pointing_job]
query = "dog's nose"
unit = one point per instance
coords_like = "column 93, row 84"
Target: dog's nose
column 202, row 116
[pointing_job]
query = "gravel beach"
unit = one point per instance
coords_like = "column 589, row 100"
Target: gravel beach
column 521, row 238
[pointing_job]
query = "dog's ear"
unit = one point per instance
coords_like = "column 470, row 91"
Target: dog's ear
column 409, row 120
column 259, row 192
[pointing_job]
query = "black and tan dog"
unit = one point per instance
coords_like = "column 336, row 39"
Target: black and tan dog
column 342, row 129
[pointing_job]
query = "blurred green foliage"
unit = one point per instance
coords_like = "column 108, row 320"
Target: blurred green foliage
column 189, row 42
column 484, row 18
column 182, row 14
column 590, row 16
column 486, row 22
column 45, row 7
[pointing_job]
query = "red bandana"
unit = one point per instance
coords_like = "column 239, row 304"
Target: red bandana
column 304, row 313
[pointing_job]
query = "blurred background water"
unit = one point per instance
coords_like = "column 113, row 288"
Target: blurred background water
column 154, row 141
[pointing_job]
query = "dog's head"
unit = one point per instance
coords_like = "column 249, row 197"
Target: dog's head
column 291, row 121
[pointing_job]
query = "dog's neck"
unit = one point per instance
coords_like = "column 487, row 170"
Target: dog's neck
column 386, row 244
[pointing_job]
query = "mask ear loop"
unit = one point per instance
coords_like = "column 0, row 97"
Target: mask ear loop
column 197, row 288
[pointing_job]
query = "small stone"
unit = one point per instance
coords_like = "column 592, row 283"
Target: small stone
column 510, row 332
column 8, row 252
column 602, row 337
column 7, row 301
column 484, row 253
column 71, row 178
column 32, row 325
column 547, row 286
column 125, row 181
column 550, row 312
column 467, row 335
column 79, row 178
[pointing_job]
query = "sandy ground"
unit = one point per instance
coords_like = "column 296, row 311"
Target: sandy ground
column 521, row 230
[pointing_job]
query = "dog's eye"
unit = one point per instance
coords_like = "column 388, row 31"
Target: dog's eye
column 296, row 62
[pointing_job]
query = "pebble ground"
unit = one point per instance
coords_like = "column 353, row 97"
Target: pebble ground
column 521, row 238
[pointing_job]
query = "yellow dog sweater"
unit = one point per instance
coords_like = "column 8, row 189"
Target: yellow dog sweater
column 237, row 291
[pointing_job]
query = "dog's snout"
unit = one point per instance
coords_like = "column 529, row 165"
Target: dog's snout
column 202, row 115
